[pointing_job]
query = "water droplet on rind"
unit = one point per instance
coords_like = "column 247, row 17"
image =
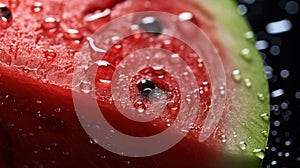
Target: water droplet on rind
column 265, row 133
column 261, row 96
column 247, row 82
column 236, row 75
column 249, row 35
column 246, row 54
column 265, row 116
column 259, row 153
column 242, row 145
column 5, row 16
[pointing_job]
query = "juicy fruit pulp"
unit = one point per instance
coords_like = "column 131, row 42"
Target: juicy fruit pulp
column 38, row 123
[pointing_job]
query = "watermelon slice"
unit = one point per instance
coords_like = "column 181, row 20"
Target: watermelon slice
column 188, row 70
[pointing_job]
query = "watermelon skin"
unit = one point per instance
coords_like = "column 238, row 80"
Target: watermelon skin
column 39, row 126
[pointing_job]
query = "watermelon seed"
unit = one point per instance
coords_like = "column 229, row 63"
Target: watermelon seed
column 37, row 7
column 5, row 16
column 150, row 24
column 145, row 87
column 259, row 153
column 242, row 145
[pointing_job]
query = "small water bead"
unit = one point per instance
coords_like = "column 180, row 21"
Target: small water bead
column 73, row 35
column 261, row 97
column 222, row 90
column 245, row 53
column 151, row 24
column 5, row 16
column 140, row 106
column 37, row 7
column 247, row 82
column 249, row 35
column 50, row 54
column 175, row 58
column 259, row 153
column 265, row 133
column 50, row 24
column 85, row 86
column 265, row 116
column 223, row 138
column 236, row 75
column 242, row 145
column 185, row 16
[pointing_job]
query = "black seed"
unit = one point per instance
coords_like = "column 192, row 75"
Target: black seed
column 145, row 87
column 151, row 24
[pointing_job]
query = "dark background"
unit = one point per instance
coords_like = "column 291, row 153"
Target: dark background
column 282, row 67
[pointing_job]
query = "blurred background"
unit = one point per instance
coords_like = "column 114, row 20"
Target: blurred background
column 276, row 24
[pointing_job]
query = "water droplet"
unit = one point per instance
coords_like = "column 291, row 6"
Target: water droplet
column 222, row 90
column 259, row 153
column 185, row 16
column 234, row 134
column 13, row 3
column 265, row 116
column 50, row 25
column 223, row 138
column 247, row 82
column 5, row 16
column 85, row 86
column 73, row 35
column 37, row 7
column 236, row 75
column 38, row 102
column 140, row 106
column 242, row 145
column 50, row 54
column 175, row 59
column 249, row 35
column 151, row 24
column 261, row 97
column 96, row 15
column 265, row 133
column 245, row 53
